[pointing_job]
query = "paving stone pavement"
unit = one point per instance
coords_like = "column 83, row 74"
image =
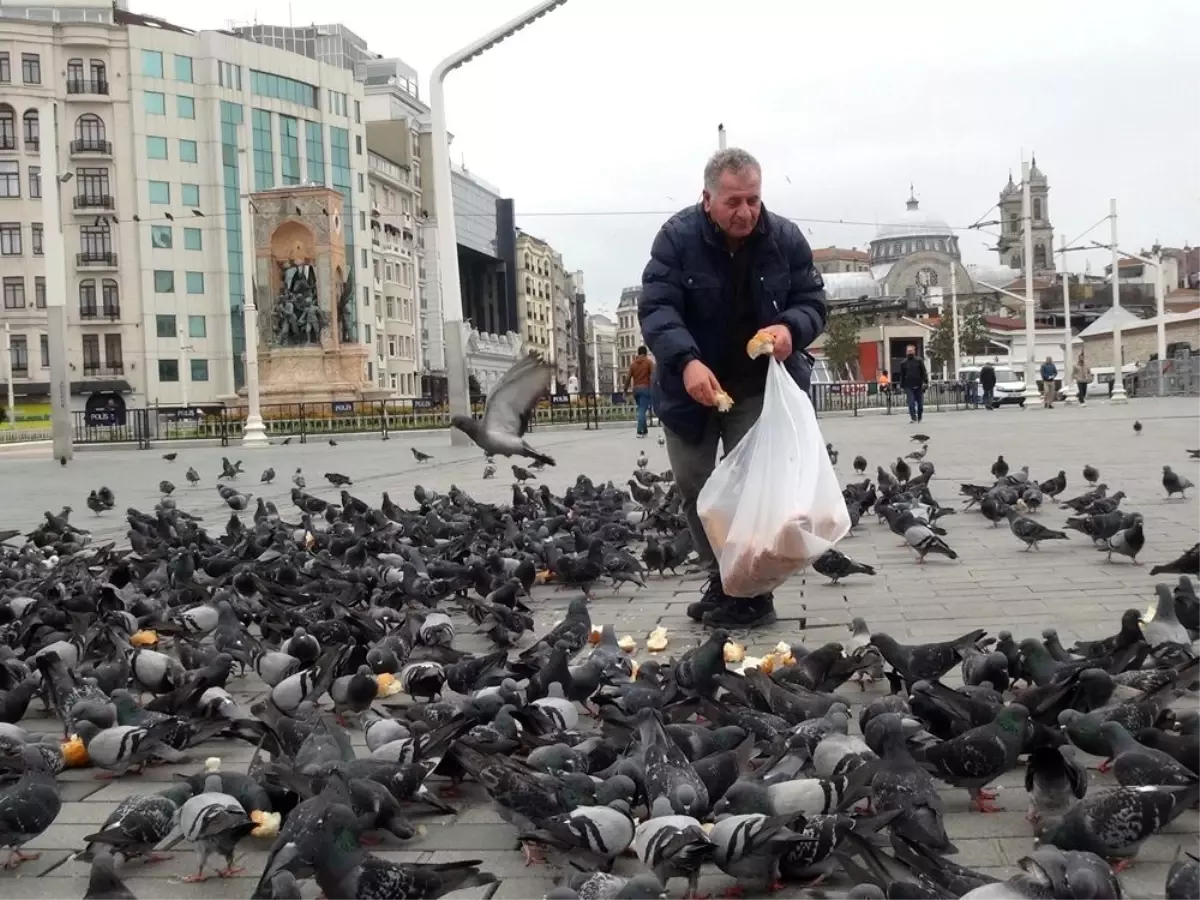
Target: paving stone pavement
column 994, row 585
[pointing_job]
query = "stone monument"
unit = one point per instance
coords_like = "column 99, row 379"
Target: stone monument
column 308, row 347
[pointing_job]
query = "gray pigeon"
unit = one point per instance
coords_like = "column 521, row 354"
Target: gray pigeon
column 1054, row 780
column 669, row 773
column 103, row 881
column 977, row 757
column 1126, row 542
column 603, row 831
column 1072, row 873
column 28, row 806
column 922, row 538
column 213, row 821
column 1174, row 483
column 749, row 847
column 139, row 823
column 1183, row 879
column 865, row 654
column 1030, row 532
column 1113, row 824
column 1135, row 765
column 123, row 747
column 506, row 414
column 672, row 846
column 1164, row 627
column 603, row 886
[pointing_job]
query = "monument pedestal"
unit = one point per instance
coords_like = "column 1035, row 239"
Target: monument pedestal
column 315, row 375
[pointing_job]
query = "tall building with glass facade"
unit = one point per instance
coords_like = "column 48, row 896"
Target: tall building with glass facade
column 201, row 102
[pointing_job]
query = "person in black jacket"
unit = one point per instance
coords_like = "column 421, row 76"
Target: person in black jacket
column 719, row 272
column 987, row 381
column 914, row 378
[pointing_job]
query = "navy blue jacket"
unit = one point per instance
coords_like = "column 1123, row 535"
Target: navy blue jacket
column 688, row 295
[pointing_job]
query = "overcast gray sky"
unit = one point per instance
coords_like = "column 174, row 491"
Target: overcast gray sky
column 598, row 118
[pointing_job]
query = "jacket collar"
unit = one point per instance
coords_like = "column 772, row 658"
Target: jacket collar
column 714, row 236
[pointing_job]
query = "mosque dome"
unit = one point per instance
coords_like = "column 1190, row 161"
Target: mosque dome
column 913, row 232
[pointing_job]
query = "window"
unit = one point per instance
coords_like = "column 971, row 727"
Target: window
column 91, row 354
column 92, row 183
column 156, row 147
column 155, row 103
column 32, row 134
column 99, row 76
column 192, row 239
column 35, row 238
column 110, row 298
column 152, row 64
column 10, row 179
column 190, row 195
column 185, row 107
column 95, row 241
column 183, row 68
column 89, row 132
column 197, row 327
column 8, row 128
column 279, row 87
column 31, row 68
column 160, row 237
column 35, row 182
column 165, row 326
column 187, row 151
column 114, row 354
column 199, row 369
column 164, row 281
column 5, row 68
column 87, row 298
column 160, row 192
column 168, row 370
column 289, row 150
column 39, row 292
column 14, row 293
column 44, row 350
column 20, row 354
column 229, row 75
column 264, row 158
column 314, row 152
column 195, row 282
column 10, row 238
column 74, row 71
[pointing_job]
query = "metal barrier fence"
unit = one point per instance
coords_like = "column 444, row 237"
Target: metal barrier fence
column 303, row 422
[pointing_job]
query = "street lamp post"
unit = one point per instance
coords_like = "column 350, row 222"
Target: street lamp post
column 720, row 137
column 254, row 432
column 954, row 315
column 1032, row 398
column 55, row 255
column 11, row 412
column 1118, row 392
column 1070, row 392
column 447, row 237
column 1160, row 303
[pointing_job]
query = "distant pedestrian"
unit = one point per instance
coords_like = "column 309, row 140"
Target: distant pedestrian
column 987, row 381
column 913, row 377
column 1083, row 377
column 1049, row 374
column 640, row 376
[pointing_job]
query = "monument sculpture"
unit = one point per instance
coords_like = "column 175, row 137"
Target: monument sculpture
column 308, row 347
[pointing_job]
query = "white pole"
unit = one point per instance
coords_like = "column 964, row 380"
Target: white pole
column 55, row 255
column 595, row 361
column 447, row 239
column 954, row 315
column 1160, row 300
column 8, row 375
column 614, row 364
column 254, row 433
column 1072, row 394
column 1032, row 398
column 720, row 137
column 553, row 337
column 1118, row 393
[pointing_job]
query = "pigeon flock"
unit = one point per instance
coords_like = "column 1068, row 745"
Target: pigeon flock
column 394, row 673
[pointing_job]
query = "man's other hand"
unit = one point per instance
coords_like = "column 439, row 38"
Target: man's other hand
column 781, row 338
column 700, row 383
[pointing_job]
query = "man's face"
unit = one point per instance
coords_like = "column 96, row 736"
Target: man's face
column 910, row 350
column 736, row 204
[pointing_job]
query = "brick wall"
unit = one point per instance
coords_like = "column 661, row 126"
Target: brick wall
column 1139, row 345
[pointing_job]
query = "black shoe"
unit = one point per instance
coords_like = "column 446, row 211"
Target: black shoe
column 735, row 612
column 712, row 595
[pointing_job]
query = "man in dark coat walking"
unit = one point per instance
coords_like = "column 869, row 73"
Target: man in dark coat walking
column 719, row 272
column 913, row 377
column 987, row 381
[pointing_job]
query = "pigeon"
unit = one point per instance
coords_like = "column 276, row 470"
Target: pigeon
column 977, row 757
column 1126, row 542
column 833, row 454
column 139, row 823
column 166, row 488
column 1187, row 563
column 506, row 413
column 28, row 806
column 1183, row 878
column 419, row 456
column 672, row 846
column 605, row 886
column 1054, row 780
column 1175, row 484
column 1164, row 627
column 834, row 564
column 213, row 821
column 1137, row 428
column 750, row 847
column 1114, row 823
column 192, row 476
column 170, row 457
column 1135, row 765
column 642, row 460
column 103, row 881
column 924, row 540
column 999, row 468
column 1030, row 532
column 860, row 464
column 268, row 476
column 1090, row 474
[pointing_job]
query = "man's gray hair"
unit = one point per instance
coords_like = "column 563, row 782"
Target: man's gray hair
column 733, row 159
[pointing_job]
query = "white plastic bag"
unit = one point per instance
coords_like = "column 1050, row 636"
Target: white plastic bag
column 773, row 505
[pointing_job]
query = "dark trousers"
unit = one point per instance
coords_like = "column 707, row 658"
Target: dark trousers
column 1082, row 385
column 642, row 397
column 989, row 399
column 916, row 402
column 693, row 463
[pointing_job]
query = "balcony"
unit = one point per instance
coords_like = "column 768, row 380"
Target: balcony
column 91, row 147
column 20, row 371
column 115, row 368
column 8, row 142
column 96, row 259
column 93, row 86
column 89, row 312
column 91, row 369
column 85, row 202
column 111, row 310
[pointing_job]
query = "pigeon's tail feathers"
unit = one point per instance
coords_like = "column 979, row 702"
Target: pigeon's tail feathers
column 539, row 457
column 457, row 876
column 971, row 637
column 864, row 569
